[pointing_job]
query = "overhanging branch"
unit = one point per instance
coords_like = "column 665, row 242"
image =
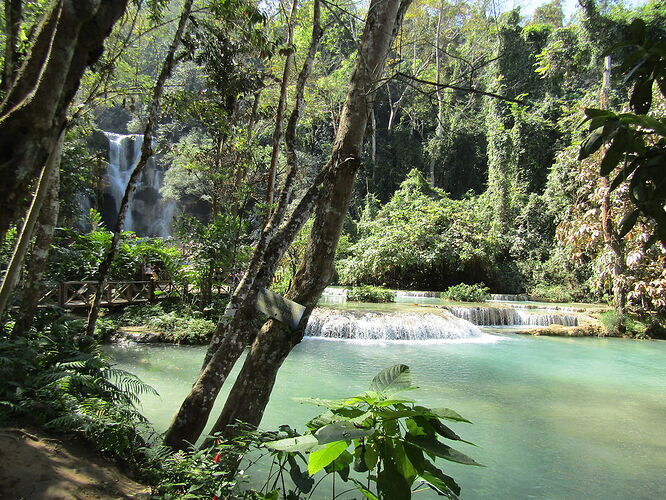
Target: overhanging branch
column 457, row 87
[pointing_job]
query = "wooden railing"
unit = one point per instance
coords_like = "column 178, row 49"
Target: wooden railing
column 75, row 294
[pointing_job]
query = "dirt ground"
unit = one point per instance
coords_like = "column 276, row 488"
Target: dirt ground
column 34, row 466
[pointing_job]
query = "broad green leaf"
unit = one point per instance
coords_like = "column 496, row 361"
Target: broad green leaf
column 370, row 456
column 341, row 465
column 591, row 143
column 299, row 443
column 628, row 222
column 390, row 482
column 439, row 480
column 321, row 458
column 395, row 379
column 448, row 414
column 339, row 431
column 439, row 449
column 402, row 462
column 326, row 403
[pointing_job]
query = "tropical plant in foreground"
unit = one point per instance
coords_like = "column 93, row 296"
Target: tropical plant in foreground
column 390, row 442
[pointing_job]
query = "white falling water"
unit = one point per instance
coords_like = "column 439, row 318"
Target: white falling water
column 508, row 297
column 507, row 316
column 148, row 213
column 357, row 325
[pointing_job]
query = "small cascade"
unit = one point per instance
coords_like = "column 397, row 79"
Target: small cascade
column 148, row 214
column 411, row 293
column 508, row 316
column 508, row 297
column 357, row 325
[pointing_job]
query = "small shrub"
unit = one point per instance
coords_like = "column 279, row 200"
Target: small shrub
column 553, row 293
column 180, row 326
column 466, row 293
column 370, row 294
column 621, row 324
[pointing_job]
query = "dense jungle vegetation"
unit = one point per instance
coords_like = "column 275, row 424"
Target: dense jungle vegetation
column 518, row 154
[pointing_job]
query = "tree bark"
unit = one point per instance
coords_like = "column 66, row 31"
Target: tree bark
column 21, row 248
column 230, row 338
column 70, row 38
column 146, row 154
column 611, row 236
column 279, row 116
column 13, row 17
column 251, row 392
column 37, row 260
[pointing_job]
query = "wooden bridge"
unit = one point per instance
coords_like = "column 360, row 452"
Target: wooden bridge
column 80, row 294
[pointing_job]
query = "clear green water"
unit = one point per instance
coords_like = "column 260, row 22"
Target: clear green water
column 553, row 418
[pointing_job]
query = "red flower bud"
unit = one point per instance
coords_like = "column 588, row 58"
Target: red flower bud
column 217, row 458
column 215, row 497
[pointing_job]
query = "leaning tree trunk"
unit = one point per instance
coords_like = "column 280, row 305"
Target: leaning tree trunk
column 251, row 392
column 279, row 117
column 146, row 154
column 70, row 38
column 37, row 260
column 25, row 236
column 230, row 339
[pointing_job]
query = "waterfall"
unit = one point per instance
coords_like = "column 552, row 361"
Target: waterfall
column 508, row 297
column 148, row 213
column 409, row 293
column 357, row 325
column 507, row 316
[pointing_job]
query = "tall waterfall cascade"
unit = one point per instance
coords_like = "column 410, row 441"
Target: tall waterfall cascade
column 506, row 316
column 358, row 325
column 149, row 214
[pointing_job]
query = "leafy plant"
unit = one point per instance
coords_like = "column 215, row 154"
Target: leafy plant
column 467, row 293
column 58, row 379
column 636, row 142
column 391, row 440
column 369, row 293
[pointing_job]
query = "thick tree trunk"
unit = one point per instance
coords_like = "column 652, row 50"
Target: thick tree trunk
column 25, row 237
column 146, row 154
column 230, row 338
column 251, row 393
column 70, row 38
column 37, row 260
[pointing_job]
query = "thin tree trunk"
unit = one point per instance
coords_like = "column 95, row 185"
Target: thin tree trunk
column 70, row 38
column 38, row 258
column 439, row 131
column 251, row 392
column 25, row 237
column 230, row 338
column 611, row 237
column 146, row 154
column 13, row 17
column 279, row 116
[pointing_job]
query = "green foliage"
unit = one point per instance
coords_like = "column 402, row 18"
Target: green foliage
column 179, row 325
column 636, row 142
column 369, row 293
column 57, row 378
column 393, row 440
column 421, row 239
column 552, row 293
column 463, row 292
column 617, row 324
column 76, row 257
